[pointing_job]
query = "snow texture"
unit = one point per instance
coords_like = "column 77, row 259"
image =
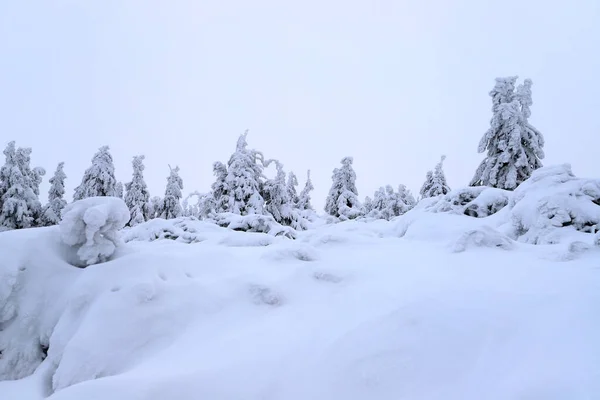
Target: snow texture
column 433, row 304
column 90, row 226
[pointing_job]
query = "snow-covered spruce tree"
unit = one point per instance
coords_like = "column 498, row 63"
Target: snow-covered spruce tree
column 99, row 178
column 292, row 182
column 52, row 211
column 387, row 204
column 427, row 185
column 137, row 196
column 367, row 206
column 244, row 175
column 304, row 196
column 276, row 196
column 220, row 188
column 342, row 201
column 156, row 204
column 514, row 147
column 21, row 207
column 171, row 206
column 119, row 190
column 6, row 170
column 435, row 182
column 406, row 196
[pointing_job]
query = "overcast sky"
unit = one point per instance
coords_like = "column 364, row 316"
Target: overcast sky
column 393, row 83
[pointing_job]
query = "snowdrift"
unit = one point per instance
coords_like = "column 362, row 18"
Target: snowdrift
column 449, row 301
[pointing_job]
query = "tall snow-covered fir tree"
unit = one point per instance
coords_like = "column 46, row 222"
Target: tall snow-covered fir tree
column 99, row 178
column 21, row 207
column 137, row 196
column 406, row 196
column 304, row 196
column 220, row 188
column 244, row 174
column 171, row 206
column 52, row 211
column 342, row 201
column 435, row 182
column 514, row 147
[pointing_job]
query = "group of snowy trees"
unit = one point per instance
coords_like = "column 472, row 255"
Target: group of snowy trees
column 514, row 150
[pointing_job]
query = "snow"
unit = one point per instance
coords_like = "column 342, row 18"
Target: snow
column 91, row 227
column 434, row 304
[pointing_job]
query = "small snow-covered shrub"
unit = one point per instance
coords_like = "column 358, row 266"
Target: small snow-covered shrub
column 183, row 229
column 554, row 198
column 91, row 227
column 254, row 223
column 476, row 202
column 482, row 237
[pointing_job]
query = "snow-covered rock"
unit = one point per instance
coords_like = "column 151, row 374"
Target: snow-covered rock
column 90, row 226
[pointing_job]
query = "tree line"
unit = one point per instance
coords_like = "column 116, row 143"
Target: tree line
column 514, row 149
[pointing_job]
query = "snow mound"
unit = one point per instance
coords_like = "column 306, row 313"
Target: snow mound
column 91, row 226
column 483, row 237
column 554, row 204
column 184, row 230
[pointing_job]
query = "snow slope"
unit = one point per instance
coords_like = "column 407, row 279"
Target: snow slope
column 431, row 305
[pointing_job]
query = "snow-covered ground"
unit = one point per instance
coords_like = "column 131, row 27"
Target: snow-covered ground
column 434, row 304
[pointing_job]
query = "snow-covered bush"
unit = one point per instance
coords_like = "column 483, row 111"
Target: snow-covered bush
column 90, row 226
column 479, row 202
column 254, row 223
column 551, row 202
column 482, row 237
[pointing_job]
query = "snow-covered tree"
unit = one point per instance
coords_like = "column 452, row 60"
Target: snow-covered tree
column 156, row 205
column 406, row 196
column 171, row 206
column 99, row 178
column 276, row 196
column 291, row 188
column 427, row 185
column 119, row 190
column 514, row 147
column 220, row 188
column 244, row 174
column 137, row 196
column 435, row 182
column 5, row 172
column 21, row 207
column 304, row 197
column 52, row 211
column 342, row 201
column 387, row 204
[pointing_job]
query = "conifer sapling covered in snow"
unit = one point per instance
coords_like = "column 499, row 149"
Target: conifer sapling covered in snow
column 435, row 182
column 342, row 201
column 52, row 212
column 119, row 190
column 243, row 179
column 276, row 196
column 137, row 197
column 21, row 207
column 171, row 207
column 514, row 147
column 220, row 188
column 291, row 188
column 99, row 178
column 304, row 196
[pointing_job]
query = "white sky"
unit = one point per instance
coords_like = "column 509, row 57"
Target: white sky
column 393, row 83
